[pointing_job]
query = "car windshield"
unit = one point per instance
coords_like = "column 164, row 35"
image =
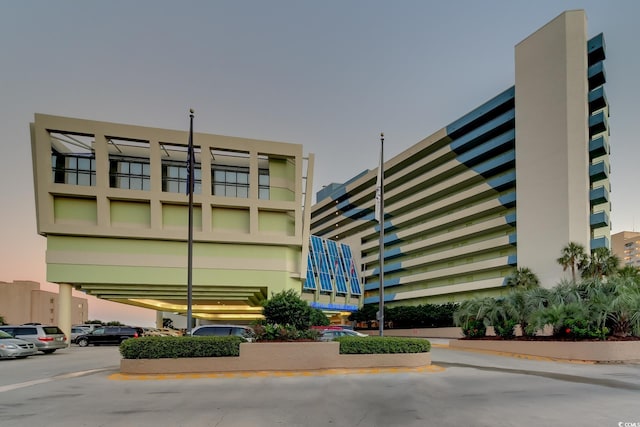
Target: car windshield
column 4, row 335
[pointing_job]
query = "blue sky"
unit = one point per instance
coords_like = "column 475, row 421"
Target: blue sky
column 330, row 75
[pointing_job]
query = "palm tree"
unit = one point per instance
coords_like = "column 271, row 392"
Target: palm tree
column 600, row 264
column 523, row 303
column 573, row 256
column 523, row 278
column 630, row 272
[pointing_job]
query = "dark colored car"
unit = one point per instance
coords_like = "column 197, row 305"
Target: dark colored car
column 109, row 335
column 224, row 331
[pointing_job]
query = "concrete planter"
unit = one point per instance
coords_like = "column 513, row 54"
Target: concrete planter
column 282, row 356
column 453, row 332
column 593, row 351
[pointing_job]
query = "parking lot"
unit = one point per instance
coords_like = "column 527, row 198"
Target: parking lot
column 81, row 387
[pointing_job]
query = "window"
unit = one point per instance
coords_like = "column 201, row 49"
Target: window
column 263, row 184
column 73, row 160
column 233, row 181
column 230, row 181
column 129, row 173
column 73, row 169
column 174, row 178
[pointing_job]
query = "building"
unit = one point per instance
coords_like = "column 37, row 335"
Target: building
column 626, row 246
column 507, row 185
column 24, row 302
column 111, row 201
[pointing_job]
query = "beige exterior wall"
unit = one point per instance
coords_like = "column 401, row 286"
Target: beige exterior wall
column 24, row 302
column 552, row 158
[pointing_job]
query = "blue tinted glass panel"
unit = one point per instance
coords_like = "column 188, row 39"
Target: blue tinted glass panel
column 350, row 268
column 320, row 258
column 310, row 283
column 336, row 266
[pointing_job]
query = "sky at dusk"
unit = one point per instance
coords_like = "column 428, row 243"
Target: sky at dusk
column 330, row 75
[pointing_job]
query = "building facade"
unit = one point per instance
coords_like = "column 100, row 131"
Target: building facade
column 626, row 246
column 111, row 201
column 507, row 185
column 24, row 302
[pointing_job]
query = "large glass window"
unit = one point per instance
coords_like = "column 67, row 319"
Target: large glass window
column 174, row 178
column 233, row 181
column 263, row 184
column 73, row 169
column 230, row 181
column 130, row 173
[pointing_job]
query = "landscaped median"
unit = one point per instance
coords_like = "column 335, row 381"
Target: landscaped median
column 175, row 355
column 591, row 351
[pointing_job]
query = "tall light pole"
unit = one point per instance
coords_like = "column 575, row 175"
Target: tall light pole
column 380, row 201
column 190, row 166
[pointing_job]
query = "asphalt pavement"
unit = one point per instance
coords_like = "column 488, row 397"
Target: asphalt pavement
column 82, row 387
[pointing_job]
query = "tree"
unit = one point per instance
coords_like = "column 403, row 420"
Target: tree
column 600, row 264
column 366, row 313
column 523, row 278
column 318, row 318
column 630, row 272
column 573, row 257
column 523, row 303
column 1, row 320
column 287, row 308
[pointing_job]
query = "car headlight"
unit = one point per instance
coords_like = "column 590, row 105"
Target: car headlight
column 11, row 346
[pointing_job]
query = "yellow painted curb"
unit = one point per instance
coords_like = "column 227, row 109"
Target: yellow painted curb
column 525, row 356
column 247, row 374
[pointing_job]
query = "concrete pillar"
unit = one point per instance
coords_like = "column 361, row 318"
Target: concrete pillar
column 64, row 309
column 159, row 315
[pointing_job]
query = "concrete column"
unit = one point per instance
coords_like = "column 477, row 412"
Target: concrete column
column 64, row 309
column 159, row 315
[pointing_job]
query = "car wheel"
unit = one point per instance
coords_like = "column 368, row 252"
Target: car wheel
column 83, row 342
column 48, row 351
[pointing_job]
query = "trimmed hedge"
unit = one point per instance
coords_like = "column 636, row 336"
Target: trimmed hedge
column 382, row 345
column 176, row 347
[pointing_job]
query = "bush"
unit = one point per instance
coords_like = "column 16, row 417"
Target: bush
column 382, row 345
column 175, row 347
column 474, row 328
column 505, row 329
column 275, row 332
column 287, row 308
column 318, row 318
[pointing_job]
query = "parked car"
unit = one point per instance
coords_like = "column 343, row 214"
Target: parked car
column 109, row 335
column 14, row 348
column 224, row 331
column 89, row 327
column 46, row 338
column 330, row 334
column 76, row 331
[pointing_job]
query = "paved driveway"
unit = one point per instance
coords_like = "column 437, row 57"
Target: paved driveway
column 79, row 387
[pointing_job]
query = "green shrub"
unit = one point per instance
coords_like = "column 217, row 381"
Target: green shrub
column 175, row 347
column 382, row 345
column 474, row 328
column 318, row 318
column 505, row 328
column 276, row 332
column 287, row 308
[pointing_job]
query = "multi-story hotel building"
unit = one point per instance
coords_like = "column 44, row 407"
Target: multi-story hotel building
column 507, row 185
column 626, row 246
